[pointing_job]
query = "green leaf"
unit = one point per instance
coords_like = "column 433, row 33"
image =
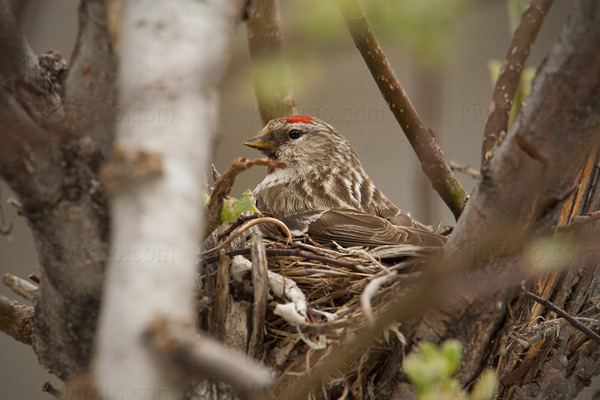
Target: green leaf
column 233, row 208
column 486, row 386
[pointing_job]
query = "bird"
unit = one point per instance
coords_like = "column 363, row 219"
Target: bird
column 325, row 192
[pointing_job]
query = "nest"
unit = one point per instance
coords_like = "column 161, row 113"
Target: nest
column 318, row 296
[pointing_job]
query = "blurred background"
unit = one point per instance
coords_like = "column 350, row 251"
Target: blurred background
column 440, row 51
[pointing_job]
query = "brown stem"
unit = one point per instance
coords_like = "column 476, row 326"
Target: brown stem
column 508, row 80
column 223, row 187
column 430, row 154
column 273, row 94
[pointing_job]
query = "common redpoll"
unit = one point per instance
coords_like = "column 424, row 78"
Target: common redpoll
column 325, row 191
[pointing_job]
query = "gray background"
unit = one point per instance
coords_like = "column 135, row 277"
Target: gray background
column 333, row 84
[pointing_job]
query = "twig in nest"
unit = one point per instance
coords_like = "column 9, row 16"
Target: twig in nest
column 578, row 222
column 510, row 73
column 369, row 292
column 465, row 169
column 291, row 253
column 223, row 187
column 247, row 226
column 559, row 311
column 430, row 154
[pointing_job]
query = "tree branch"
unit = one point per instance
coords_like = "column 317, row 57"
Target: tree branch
column 19, row 286
column 15, row 320
column 508, row 79
column 17, row 58
column 430, row 154
column 157, row 222
column 273, row 91
column 90, row 92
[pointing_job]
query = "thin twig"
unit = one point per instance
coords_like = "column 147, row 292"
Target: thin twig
column 572, row 320
column 430, row 154
column 465, row 169
column 510, row 73
column 369, row 292
column 20, row 286
column 273, row 93
column 247, row 226
column 579, row 221
column 223, row 187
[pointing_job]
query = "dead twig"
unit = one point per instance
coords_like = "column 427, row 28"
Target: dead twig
column 430, row 154
column 510, row 73
column 16, row 319
column 260, row 283
column 465, row 169
column 572, row 320
column 220, row 300
column 223, row 187
column 20, row 286
column 247, row 226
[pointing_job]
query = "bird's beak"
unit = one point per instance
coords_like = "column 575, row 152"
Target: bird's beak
column 258, row 142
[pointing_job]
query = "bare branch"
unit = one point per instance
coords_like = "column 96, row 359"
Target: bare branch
column 29, row 156
column 200, row 357
column 90, row 92
column 273, row 93
column 572, row 320
column 430, row 154
column 510, row 73
column 17, row 58
column 19, row 286
column 16, row 320
column 223, row 187
column 192, row 40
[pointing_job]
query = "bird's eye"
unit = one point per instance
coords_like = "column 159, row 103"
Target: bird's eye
column 294, row 134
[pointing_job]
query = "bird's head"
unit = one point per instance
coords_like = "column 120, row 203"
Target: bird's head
column 302, row 141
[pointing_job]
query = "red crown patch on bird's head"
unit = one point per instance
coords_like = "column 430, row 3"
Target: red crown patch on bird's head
column 294, row 119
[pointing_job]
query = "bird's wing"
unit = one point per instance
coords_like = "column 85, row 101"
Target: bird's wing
column 355, row 228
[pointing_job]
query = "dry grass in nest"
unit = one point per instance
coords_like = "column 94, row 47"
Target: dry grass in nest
column 338, row 285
